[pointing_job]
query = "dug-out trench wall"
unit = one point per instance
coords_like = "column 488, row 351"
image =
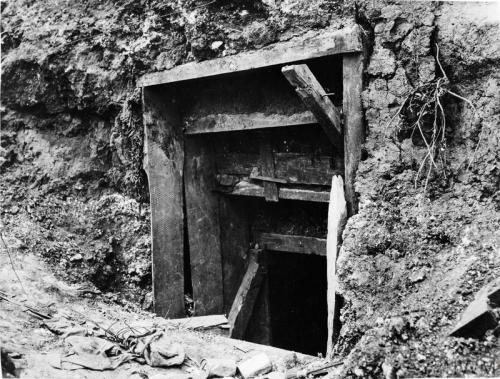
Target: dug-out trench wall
column 411, row 260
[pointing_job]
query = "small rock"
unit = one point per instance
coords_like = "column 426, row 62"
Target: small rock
column 359, row 372
column 14, row 210
column 421, row 357
column 389, row 371
column 76, row 257
column 257, row 365
column 417, row 276
column 216, row 44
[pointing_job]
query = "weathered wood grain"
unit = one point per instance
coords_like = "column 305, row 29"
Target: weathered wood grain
column 311, row 45
column 234, row 240
column 292, row 244
column 223, row 122
column 290, row 167
column 337, row 216
column 244, row 188
column 163, row 163
column 354, row 132
column 316, row 100
column 267, row 169
column 244, row 301
column 202, row 212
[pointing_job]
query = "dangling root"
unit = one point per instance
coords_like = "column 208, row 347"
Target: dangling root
column 422, row 104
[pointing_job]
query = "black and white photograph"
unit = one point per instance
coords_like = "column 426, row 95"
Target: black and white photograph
column 249, row 189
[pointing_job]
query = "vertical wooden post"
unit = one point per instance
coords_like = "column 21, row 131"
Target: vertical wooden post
column 352, row 66
column 202, row 208
column 235, row 240
column 337, row 214
column 163, row 162
column 271, row 191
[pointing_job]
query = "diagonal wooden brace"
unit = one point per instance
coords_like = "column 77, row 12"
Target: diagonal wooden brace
column 316, row 100
column 245, row 299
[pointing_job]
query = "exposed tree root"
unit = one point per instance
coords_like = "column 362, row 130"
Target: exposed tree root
column 422, row 112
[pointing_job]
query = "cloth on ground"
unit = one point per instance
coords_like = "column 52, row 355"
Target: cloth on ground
column 100, row 354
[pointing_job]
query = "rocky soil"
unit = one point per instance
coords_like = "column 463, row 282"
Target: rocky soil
column 73, row 190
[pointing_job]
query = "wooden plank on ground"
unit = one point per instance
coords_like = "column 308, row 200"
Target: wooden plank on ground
column 163, row 163
column 292, row 244
column 354, row 132
column 202, row 212
column 244, row 301
column 197, row 322
column 223, row 122
column 244, row 188
column 308, row 46
column 290, row 167
column 316, row 100
column 337, row 216
column 267, row 169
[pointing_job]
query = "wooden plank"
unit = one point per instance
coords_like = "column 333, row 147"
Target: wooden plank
column 268, row 179
column 259, row 329
column 267, row 169
column 244, row 188
column 311, row 45
column 197, row 322
column 163, row 163
column 234, row 240
column 244, row 302
column 354, row 132
column 301, row 168
column 337, row 216
column 290, row 167
column 292, row 244
column 316, row 100
column 202, row 212
column 217, row 123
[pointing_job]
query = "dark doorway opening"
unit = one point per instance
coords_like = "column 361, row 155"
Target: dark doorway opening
column 297, row 294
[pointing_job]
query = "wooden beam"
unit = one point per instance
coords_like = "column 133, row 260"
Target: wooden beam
column 163, row 163
column 289, row 167
column 267, row 169
column 292, row 244
column 244, row 302
column 337, row 216
column 308, row 46
column 316, row 100
column 267, row 179
column 223, row 122
column 354, row 132
column 244, row 188
column 202, row 213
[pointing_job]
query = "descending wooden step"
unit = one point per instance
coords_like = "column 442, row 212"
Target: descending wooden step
column 244, row 188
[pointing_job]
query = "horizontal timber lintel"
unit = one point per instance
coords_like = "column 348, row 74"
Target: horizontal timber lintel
column 309, row 46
